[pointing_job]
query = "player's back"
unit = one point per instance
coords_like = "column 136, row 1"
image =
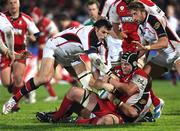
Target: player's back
column 77, row 34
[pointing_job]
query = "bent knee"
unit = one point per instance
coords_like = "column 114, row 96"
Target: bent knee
column 108, row 120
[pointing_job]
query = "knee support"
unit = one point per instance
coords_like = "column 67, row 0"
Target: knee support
column 85, row 99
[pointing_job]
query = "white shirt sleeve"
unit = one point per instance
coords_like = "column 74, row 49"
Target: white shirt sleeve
column 113, row 16
column 52, row 28
column 4, row 22
column 32, row 28
column 106, row 7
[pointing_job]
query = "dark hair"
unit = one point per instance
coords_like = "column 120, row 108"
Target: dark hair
column 91, row 2
column 136, row 6
column 103, row 22
column 64, row 16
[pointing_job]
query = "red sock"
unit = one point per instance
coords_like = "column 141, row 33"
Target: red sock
column 15, row 89
column 29, row 86
column 65, row 105
column 155, row 99
column 50, row 89
column 67, row 78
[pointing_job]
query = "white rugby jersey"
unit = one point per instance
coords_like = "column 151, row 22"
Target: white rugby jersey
column 155, row 27
column 4, row 22
column 105, row 7
column 152, row 8
column 83, row 34
column 86, row 35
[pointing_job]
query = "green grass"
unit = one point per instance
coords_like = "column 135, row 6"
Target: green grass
column 25, row 119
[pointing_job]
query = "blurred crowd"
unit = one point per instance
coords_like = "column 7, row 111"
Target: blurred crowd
column 77, row 10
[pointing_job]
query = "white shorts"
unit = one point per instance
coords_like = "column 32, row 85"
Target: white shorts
column 168, row 59
column 64, row 53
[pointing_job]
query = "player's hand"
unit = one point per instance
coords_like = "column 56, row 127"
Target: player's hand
column 139, row 46
column 9, row 54
column 123, row 34
column 23, row 55
column 114, row 77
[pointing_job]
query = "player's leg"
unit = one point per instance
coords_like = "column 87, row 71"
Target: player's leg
column 177, row 65
column 18, row 72
column 43, row 76
column 6, row 78
column 85, row 98
column 76, row 100
column 5, row 73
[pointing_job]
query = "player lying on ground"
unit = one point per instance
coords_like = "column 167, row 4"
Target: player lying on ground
column 117, row 108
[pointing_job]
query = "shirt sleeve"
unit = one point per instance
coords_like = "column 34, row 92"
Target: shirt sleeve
column 157, row 26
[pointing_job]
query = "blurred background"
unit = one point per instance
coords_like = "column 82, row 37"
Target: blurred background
column 76, row 10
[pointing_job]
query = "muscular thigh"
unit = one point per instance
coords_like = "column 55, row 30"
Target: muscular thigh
column 109, row 119
column 47, row 67
column 6, row 76
column 18, row 69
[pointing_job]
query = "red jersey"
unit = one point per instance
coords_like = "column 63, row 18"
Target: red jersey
column 119, row 13
column 47, row 29
column 21, row 25
column 138, row 77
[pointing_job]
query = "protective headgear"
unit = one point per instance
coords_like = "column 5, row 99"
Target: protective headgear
column 130, row 58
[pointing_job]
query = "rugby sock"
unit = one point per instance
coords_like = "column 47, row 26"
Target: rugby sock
column 15, row 90
column 50, row 89
column 155, row 99
column 29, row 86
column 65, row 106
column 173, row 77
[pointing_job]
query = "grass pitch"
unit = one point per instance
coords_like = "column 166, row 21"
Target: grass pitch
column 25, row 119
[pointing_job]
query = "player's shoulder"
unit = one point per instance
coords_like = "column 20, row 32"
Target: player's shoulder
column 24, row 15
column 153, row 20
column 140, row 72
column 147, row 2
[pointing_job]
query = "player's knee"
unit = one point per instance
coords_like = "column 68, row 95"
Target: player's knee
column 108, row 120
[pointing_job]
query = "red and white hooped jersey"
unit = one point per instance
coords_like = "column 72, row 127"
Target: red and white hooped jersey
column 22, row 25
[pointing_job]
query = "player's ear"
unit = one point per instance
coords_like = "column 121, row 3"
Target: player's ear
column 96, row 29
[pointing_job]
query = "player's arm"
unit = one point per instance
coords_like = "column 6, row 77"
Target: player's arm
column 52, row 28
column 162, row 41
column 9, row 39
column 123, row 88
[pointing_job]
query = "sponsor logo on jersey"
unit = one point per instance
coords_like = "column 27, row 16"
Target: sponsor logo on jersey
column 127, row 19
column 121, row 8
column 157, row 25
column 142, row 101
column 17, row 31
